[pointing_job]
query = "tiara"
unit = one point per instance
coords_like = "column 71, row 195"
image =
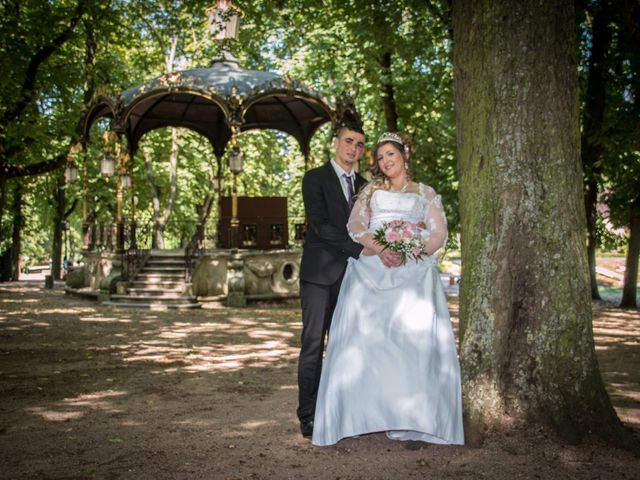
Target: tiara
column 390, row 136
column 394, row 137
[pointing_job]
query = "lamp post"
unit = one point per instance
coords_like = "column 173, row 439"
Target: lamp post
column 235, row 165
column 85, row 199
column 119, row 196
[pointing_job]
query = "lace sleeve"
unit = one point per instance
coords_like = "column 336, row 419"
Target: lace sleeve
column 358, row 225
column 435, row 234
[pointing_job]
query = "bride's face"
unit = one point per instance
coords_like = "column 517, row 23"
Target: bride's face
column 390, row 161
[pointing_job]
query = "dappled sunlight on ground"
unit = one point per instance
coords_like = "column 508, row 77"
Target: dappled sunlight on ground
column 617, row 333
column 74, row 408
column 101, row 392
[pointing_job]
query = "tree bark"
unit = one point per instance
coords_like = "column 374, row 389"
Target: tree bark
column 630, row 288
column 593, row 131
column 527, row 350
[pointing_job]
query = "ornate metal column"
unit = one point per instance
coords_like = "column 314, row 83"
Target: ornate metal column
column 119, row 217
column 134, row 242
column 235, row 165
column 85, row 198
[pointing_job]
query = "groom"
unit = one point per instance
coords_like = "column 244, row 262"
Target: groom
column 328, row 193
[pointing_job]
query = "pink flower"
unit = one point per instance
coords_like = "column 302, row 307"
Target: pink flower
column 392, row 236
column 417, row 251
column 407, row 233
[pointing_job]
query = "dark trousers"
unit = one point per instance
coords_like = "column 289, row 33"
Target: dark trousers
column 318, row 303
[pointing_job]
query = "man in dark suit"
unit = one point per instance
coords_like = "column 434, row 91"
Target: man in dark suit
column 328, row 192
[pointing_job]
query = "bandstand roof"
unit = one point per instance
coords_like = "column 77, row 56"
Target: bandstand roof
column 210, row 100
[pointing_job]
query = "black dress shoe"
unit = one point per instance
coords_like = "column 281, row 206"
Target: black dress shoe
column 306, row 427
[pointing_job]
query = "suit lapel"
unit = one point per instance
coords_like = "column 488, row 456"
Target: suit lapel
column 336, row 186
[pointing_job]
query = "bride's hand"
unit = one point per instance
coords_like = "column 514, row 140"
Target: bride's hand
column 368, row 252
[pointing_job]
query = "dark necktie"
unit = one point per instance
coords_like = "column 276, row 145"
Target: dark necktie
column 350, row 191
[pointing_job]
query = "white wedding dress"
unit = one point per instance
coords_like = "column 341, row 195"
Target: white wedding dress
column 391, row 363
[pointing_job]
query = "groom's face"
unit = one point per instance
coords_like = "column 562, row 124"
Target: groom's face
column 349, row 147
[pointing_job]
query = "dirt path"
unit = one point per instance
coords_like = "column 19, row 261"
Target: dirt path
column 88, row 391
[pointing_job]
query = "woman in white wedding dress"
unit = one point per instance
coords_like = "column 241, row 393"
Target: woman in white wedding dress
column 391, row 362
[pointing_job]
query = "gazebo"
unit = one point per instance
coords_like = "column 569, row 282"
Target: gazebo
column 218, row 102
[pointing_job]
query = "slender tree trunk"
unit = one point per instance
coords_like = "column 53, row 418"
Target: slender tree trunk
column 59, row 205
column 593, row 131
column 591, row 215
column 18, row 223
column 3, row 197
column 388, row 95
column 630, row 289
column 158, row 236
column 527, row 350
column 160, row 220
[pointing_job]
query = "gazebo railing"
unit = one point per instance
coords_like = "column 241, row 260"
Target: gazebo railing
column 138, row 242
column 193, row 251
column 102, row 237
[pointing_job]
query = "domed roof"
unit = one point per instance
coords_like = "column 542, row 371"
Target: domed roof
column 212, row 100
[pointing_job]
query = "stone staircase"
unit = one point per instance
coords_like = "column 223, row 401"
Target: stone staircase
column 160, row 284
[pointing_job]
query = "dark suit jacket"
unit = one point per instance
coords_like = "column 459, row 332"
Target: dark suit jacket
column 327, row 244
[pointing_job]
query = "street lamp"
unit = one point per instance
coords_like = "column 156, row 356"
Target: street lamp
column 125, row 180
column 235, row 160
column 70, row 172
column 107, row 164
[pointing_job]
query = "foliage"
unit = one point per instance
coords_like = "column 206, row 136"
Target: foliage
column 334, row 46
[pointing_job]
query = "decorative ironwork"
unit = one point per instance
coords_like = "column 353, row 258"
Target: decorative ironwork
column 193, row 251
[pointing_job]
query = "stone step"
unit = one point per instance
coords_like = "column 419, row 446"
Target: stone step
column 152, row 299
column 155, row 306
column 162, row 269
column 179, row 263
column 167, row 253
column 154, row 292
column 159, row 277
column 159, row 284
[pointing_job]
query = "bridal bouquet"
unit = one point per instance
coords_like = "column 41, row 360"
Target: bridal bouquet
column 402, row 237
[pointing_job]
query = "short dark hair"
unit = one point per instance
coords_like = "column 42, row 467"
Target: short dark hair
column 342, row 126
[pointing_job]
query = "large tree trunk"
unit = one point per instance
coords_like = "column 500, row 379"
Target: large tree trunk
column 593, row 131
column 527, row 349
column 630, row 289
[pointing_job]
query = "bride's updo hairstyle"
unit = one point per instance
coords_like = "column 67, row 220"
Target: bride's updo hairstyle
column 404, row 146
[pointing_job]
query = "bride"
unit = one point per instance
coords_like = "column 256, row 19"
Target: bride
column 391, row 362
